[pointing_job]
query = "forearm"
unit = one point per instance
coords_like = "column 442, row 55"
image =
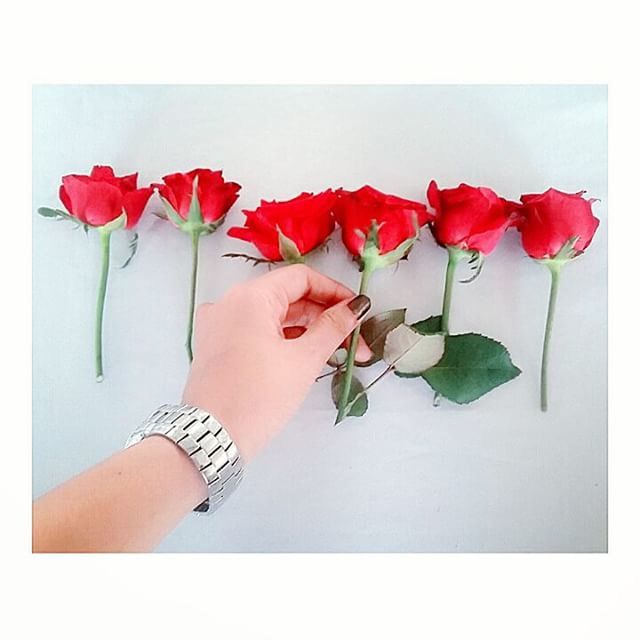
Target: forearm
column 129, row 502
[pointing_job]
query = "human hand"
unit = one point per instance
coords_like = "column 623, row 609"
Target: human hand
column 260, row 348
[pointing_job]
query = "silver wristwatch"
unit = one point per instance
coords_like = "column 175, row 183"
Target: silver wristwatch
column 205, row 441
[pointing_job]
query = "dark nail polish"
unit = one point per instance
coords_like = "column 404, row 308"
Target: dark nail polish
column 359, row 306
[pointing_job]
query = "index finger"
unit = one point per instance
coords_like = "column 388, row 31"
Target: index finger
column 298, row 281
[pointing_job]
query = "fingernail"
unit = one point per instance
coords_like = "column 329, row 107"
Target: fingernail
column 359, row 306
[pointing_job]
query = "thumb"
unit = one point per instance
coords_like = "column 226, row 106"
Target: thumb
column 333, row 326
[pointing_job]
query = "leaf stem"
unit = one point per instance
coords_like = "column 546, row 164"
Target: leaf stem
column 367, row 270
column 105, row 243
column 195, row 245
column 555, row 269
column 377, row 379
column 330, row 373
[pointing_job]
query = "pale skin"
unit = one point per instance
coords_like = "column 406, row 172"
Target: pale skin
column 257, row 353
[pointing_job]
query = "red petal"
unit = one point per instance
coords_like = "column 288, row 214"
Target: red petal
column 102, row 172
column 66, row 201
column 270, row 249
column 551, row 218
column 215, row 197
column 95, row 203
column 105, row 174
column 128, row 183
column 134, row 203
column 181, row 187
column 213, row 178
column 397, row 217
column 242, row 233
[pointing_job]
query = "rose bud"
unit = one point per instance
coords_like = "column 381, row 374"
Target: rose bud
column 101, row 197
column 555, row 227
column 378, row 230
column 288, row 230
column 105, row 202
column 203, row 213
column 196, row 202
column 469, row 218
column 548, row 221
column 377, row 227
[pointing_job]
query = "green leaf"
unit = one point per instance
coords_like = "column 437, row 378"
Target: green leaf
column 47, row 212
column 374, row 332
column 288, row 249
column 409, row 352
column 57, row 214
column 432, row 324
column 471, row 366
column 361, row 405
column 133, row 249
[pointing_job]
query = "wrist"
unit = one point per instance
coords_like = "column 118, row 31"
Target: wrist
column 185, row 480
column 210, row 449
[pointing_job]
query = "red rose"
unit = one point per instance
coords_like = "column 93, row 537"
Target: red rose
column 469, row 218
column 196, row 202
column 215, row 196
column 306, row 221
column 398, row 220
column 547, row 221
column 106, row 202
column 554, row 227
column 101, row 197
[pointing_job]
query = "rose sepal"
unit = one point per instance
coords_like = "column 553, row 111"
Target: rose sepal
column 191, row 226
column 194, row 223
column 118, row 223
column 566, row 254
column 289, row 249
column 372, row 259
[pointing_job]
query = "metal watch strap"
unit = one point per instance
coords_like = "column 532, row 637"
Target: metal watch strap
column 205, row 441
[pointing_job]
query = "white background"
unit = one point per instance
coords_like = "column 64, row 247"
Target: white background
column 495, row 476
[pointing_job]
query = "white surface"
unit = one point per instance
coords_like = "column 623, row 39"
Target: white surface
column 495, row 476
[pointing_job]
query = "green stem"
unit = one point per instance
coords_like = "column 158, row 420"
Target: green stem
column 554, row 268
column 367, row 270
column 455, row 255
column 105, row 242
column 195, row 244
